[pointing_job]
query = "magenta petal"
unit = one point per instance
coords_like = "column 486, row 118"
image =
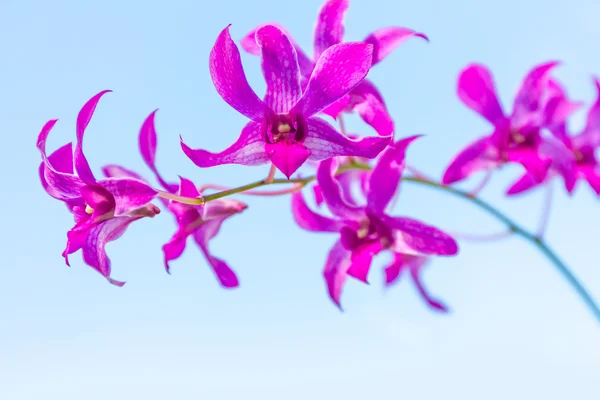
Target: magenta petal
column 249, row 44
column 339, row 70
column 128, row 193
column 591, row 173
column 249, row 149
column 94, row 253
column 402, row 262
column 309, row 220
column 372, row 109
column 335, row 271
column 280, row 69
column 174, row 248
column 222, row 208
column 329, row 29
column 325, row 142
column 117, row 171
column 415, row 272
column 287, row 156
column 62, row 161
column 533, row 162
column 187, row 188
column 523, row 184
column 477, row 156
column 147, row 143
column 385, row 40
column 336, row 108
column 528, row 105
column 203, row 235
column 591, row 134
column 229, row 79
column 361, row 260
column 420, row 238
column 476, row 90
column 332, row 192
column 385, row 178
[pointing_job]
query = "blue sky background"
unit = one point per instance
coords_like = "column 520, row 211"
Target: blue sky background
column 516, row 329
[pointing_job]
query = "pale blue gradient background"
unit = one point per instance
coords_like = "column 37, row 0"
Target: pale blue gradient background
column 516, row 329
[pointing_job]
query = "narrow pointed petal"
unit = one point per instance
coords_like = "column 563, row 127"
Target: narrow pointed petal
column 329, row 29
column 325, row 142
column 249, row 45
column 422, row 238
column 332, row 192
column 65, row 185
column 222, row 208
column 557, row 109
column 529, row 101
column 372, row 109
column 83, row 119
column 117, row 171
column 523, row 184
column 400, row 263
column 385, row 40
column 336, row 108
column 287, row 156
column 94, row 253
column 335, row 271
column 62, row 161
column 591, row 173
column 128, row 193
column 280, row 69
column 479, row 155
column 174, row 248
column 147, row 141
column 338, row 70
column 229, row 79
column 385, row 178
column 309, row 220
column 227, row 278
column 591, row 134
column 249, row 149
column 534, row 163
column 361, row 260
column 187, row 188
column 415, row 272
column 477, row 91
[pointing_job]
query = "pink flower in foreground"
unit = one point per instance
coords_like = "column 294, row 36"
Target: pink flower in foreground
column 573, row 157
column 367, row 230
column 283, row 129
column 329, row 31
column 103, row 209
column 202, row 223
column 516, row 137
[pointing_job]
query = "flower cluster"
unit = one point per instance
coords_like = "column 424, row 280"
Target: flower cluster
column 357, row 177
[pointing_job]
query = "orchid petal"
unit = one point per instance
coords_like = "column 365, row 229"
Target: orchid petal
column 415, row 272
column 174, row 248
column 534, row 163
column 280, row 69
column 229, row 79
column 324, row 142
column 117, row 171
column 128, row 193
column 361, row 260
column 591, row 173
column 335, row 271
column 249, row 149
column 249, row 44
column 336, row 108
column 477, row 91
column 528, row 104
column 338, row 70
column 99, row 199
column 477, row 156
column 203, row 235
column 385, row 178
column 62, row 161
column 401, row 262
column 287, row 156
column 222, row 208
column 329, row 29
column 591, row 134
column 187, row 188
column 421, row 238
column 147, row 143
column 523, row 184
column 309, row 220
column 332, row 192
column 372, row 109
column 385, row 40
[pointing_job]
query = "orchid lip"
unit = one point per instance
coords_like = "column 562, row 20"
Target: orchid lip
column 285, row 127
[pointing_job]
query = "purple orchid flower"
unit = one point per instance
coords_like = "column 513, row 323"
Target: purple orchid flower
column 365, row 99
column 367, row 230
column 103, row 209
column 202, row 223
column 283, row 129
column 573, row 157
column 516, row 138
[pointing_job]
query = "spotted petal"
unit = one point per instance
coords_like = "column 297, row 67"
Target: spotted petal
column 415, row 237
column 128, row 193
column 329, row 29
column 385, row 40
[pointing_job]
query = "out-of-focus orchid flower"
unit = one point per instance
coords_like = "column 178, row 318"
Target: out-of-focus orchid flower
column 367, row 230
column 573, row 157
column 516, row 137
column 283, row 129
column 103, row 209
column 202, row 223
column 365, row 99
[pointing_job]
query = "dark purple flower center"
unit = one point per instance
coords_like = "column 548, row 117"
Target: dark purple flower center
column 585, row 156
column 519, row 139
column 285, row 127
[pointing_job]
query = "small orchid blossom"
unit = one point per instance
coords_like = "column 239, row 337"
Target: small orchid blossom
column 516, row 137
column 103, row 209
column 202, row 223
column 367, row 230
column 365, row 99
column 573, row 157
column 283, row 129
